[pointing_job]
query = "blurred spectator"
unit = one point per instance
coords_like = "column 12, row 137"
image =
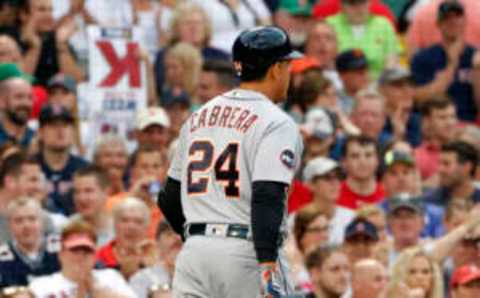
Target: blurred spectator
column 329, row 269
column 361, row 161
column 457, row 165
column 439, row 126
column 322, row 176
column 77, row 277
column 178, row 110
column 189, row 24
column 353, row 70
column 183, row 64
column 376, row 216
column 148, row 173
column 396, row 86
column 10, row 51
column 400, row 174
column 29, row 253
column 217, row 77
column 319, row 133
column 360, row 239
column 16, row 104
column 231, row 17
column 418, row 273
column 58, row 164
column 90, row 187
column 465, row 282
column 357, row 28
column 369, row 115
column 311, row 228
column 32, row 183
column 62, row 91
column 327, row 8
column 111, row 155
column 152, row 128
column 321, row 44
column 448, row 67
column 46, row 48
column 157, row 279
column 369, row 279
column 127, row 251
column 424, row 31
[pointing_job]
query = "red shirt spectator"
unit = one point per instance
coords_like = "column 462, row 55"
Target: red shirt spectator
column 299, row 196
column 349, row 199
column 106, row 255
column 426, row 158
column 330, row 7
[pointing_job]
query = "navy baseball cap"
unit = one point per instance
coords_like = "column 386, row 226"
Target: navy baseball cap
column 51, row 113
column 353, row 59
column 449, row 6
column 361, row 226
column 64, row 81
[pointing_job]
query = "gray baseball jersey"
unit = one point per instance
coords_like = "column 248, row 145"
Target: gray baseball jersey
column 233, row 140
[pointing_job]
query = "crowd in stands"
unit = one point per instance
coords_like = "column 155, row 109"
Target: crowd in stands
column 387, row 98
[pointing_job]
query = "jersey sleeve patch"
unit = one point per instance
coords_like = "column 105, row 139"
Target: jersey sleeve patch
column 287, row 157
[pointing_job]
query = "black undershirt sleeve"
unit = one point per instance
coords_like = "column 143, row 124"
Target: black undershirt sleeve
column 169, row 201
column 268, row 207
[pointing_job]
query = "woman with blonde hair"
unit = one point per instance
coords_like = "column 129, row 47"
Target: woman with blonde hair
column 415, row 275
column 183, row 64
column 189, row 24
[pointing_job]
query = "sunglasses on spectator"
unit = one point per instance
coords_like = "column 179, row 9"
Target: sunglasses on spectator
column 329, row 176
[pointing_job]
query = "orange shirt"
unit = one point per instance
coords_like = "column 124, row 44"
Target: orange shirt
column 423, row 31
column 155, row 217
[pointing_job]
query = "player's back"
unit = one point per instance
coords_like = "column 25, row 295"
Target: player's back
column 219, row 144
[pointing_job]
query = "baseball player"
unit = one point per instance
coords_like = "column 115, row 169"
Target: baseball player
column 227, row 185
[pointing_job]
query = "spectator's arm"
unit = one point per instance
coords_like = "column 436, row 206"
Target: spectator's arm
column 32, row 55
column 442, row 247
column 476, row 79
column 67, row 63
column 151, row 87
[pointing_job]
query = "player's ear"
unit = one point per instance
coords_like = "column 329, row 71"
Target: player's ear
column 275, row 70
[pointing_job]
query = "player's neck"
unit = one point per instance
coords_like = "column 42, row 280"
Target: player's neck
column 261, row 87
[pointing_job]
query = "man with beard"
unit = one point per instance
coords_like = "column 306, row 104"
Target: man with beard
column 58, row 164
column 16, row 103
column 457, row 165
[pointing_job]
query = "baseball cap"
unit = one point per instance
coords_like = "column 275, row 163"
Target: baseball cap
column 170, row 98
column 449, row 6
column 353, row 59
column 407, row 201
column 11, row 71
column 395, row 74
column 63, row 81
column 303, row 64
column 318, row 167
column 294, row 7
column 151, row 116
column 464, row 275
column 361, row 226
column 50, row 113
column 393, row 157
column 79, row 240
column 319, row 123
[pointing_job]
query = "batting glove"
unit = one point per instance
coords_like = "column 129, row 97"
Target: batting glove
column 268, row 289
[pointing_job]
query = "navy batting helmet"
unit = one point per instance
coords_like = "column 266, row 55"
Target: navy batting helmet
column 255, row 50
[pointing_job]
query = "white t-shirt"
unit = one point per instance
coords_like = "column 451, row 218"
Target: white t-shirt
column 338, row 224
column 225, row 30
column 57, row 285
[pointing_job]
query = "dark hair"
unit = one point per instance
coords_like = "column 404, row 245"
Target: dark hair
column 464, row 152
column 362, row 140
column 314, row 83
column 440, row 103
column 95, row 171
column 317, row 257
column 223, row 70
column 11, row 166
